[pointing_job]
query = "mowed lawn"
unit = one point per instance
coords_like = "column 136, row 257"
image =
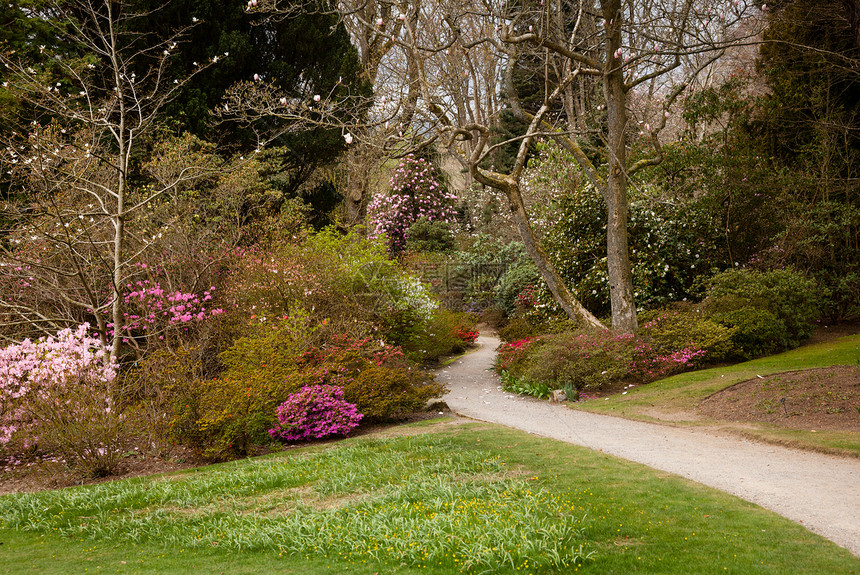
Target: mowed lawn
column 449, row 497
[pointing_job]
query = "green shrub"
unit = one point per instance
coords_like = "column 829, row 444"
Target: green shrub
column 530, row 326
column 524, row 386
column 755, row 332
column 382, row 393
column 672, row 330
column 435, row 337
column 517, row 277
column 772, row 311
column 427, row 236
column 585, row 360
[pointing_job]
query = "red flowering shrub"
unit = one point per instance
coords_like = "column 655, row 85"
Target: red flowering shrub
column 466, row 335
column 511, row 354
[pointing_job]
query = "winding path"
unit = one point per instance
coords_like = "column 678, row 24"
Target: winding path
column 821, row 492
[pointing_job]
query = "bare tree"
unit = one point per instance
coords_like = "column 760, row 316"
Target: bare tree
column 72, row 168
column 626, row 47
column 450, row 60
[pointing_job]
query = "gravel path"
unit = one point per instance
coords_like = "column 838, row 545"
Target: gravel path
column 821, row 492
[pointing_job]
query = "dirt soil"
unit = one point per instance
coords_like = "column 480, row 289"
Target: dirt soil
column 819, row 399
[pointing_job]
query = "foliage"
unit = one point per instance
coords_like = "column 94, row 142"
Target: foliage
column 56, row 399
column 588, row 359
column 427, row 236
column 530, row 325
column 444, row 333
column 516, row 285
column 679, row 327
column 383, row 393
column 345, row 281
column 518, row 329
column 416, row 193
column 524, row 386
column 671, row 243
column 772, row 311
column 236, row 410
column 313, row 413
column 302, row 52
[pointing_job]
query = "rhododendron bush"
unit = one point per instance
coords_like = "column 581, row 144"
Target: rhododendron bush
column 589, row 359
column 416, row 193
column 56, row 399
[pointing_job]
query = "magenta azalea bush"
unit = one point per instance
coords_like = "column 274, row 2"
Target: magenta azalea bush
column 314, row 412
column 415, row 193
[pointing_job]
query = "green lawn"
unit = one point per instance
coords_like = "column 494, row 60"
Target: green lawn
column 675, row 399
column 455, row 498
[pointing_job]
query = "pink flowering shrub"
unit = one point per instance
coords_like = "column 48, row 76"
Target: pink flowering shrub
column 416, row 193
column 582, row 360
column 55, row 399
column 155, row 314
column 315, row 412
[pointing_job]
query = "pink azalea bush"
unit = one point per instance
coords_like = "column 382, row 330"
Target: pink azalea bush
column 415, row 193
column 153, row 313
column 55, row 395
column 314, row 412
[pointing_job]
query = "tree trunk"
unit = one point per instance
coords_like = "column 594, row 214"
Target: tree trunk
column 852, row 9
column 554, row 282
column 615, row 195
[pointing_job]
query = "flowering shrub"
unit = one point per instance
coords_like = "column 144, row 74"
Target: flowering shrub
column 466, row 335
column 153, row 312
column 587, row 360
column 416, row 193
column 55, row 397
column 313, row 413
column 237, row 410
column 512, row 353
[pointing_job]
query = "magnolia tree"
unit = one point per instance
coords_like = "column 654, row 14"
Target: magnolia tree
column 92, row 100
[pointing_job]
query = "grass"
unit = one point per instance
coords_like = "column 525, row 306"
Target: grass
column 676, row 398
column 470, row 498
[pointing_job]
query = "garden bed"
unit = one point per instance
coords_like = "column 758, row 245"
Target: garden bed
column 814, row 399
